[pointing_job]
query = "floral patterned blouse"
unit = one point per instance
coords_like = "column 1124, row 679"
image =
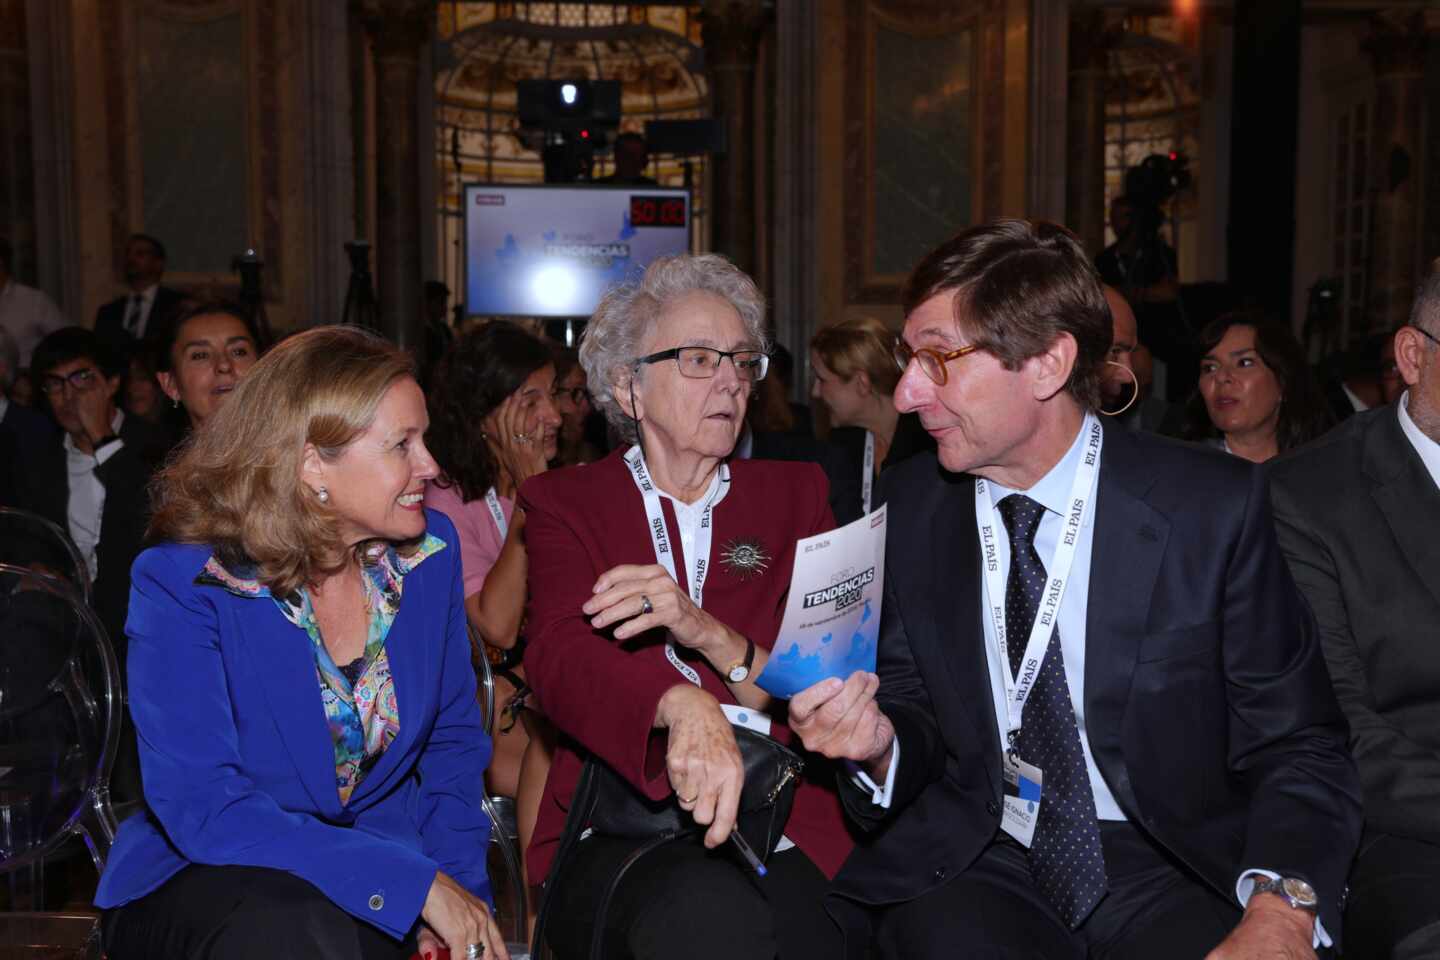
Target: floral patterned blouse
column 359, row 697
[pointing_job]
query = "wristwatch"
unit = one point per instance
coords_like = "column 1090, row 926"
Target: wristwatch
column 739, row 671
column 1296, row 892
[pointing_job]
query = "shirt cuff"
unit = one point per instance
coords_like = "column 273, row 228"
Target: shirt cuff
column 108, row 451
column 879, row 795
column 1246, row 885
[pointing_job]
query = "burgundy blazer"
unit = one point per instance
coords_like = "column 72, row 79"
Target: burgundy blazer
column 602, row 693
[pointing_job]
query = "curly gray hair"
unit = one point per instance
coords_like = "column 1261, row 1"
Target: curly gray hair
column 619, row 326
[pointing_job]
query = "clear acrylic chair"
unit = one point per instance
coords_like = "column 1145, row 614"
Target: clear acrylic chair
column 31, row 541
column 504, row 832
column 60, row 706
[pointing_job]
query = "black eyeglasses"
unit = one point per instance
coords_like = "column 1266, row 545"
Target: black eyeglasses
column 702, row 363
column 79, row 380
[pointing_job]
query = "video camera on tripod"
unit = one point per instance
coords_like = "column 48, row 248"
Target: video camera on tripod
column 1150, row 184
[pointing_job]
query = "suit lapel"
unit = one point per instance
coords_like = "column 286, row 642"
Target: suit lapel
column 957, row 633
column 1128, row 545
column 1406, row 495
column 285, row 663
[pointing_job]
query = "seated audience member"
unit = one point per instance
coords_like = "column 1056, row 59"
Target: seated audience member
column 1257, row 397
column 493, row 425
column 1119, row 384
column 202, row 353
column 1391, row 383
column 782, row 368
column 301, row 681
column 26, row 313
column 572, row 400
column 1358, row 514
column 1355, row 385
column 91, row 478
column 855, row 377
column 138, row 313
column 672, row 359
column 1118, row 738
column 22, row 391
column 141, row 391
column 24, row 434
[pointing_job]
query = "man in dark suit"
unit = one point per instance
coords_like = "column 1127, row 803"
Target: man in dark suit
column 1358, row 514
column 1102, row 725
column 141, row 311
column 92, row 481
column 22, row 430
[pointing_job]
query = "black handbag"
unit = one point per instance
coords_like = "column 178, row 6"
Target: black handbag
column 606, row 803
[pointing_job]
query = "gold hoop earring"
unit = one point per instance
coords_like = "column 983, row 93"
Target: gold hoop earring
column 1133, row 397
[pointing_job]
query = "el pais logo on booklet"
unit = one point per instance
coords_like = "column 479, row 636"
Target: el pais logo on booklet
column 843, row 594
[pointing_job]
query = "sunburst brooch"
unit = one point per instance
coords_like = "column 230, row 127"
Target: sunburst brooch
column 745, row 558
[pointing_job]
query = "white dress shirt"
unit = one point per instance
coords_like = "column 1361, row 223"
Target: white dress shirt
column 1428, row 449
column 147, row 304
column 27, row 315
column 87, row 495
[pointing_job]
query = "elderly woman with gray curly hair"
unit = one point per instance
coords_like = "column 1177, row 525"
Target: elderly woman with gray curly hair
column 658, row 578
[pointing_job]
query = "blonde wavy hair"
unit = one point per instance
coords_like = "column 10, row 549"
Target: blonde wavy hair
column 236, row 483
column 856, row 344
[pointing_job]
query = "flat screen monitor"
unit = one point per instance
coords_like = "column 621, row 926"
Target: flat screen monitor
column 553, row 251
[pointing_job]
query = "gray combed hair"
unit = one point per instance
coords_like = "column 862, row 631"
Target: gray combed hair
column 619, row 326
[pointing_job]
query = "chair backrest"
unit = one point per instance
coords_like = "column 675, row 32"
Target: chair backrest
column 30, row 540
column 484, row 678
column 60, row 708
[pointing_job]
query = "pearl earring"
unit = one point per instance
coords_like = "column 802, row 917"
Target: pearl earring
column 323, row 494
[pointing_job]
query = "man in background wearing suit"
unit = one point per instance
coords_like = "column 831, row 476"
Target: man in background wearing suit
column 1102, row 725
column 92, row 481
column 140, row 312
column 23, row 432
column 1359, row 520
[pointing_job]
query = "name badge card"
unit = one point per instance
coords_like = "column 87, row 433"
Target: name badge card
column 1022, row 799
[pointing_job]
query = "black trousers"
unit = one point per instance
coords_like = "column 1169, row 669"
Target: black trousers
column 1154, row 908
column 683, row 901
column 1394, row 907
column 240, row 913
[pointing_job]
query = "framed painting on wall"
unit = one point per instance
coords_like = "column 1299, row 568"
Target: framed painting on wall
column 911, row 134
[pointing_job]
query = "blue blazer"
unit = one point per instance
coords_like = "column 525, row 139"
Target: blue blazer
column 238, row 763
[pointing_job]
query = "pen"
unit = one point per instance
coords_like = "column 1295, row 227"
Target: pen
column 747, row 853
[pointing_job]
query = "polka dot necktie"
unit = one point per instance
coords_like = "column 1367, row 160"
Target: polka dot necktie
column 1065, row 858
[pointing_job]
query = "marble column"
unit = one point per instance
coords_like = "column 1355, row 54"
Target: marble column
column 1397, row 47
column 398, row 29
column 731, row 35
column 1085, row 212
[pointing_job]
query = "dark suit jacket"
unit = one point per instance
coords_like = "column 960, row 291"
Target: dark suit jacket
column 601, row 693
column 1359, row 521
column 24, row 435
column 1207, row 705
column 844, row 462
column 126, row 476
column 110, row 318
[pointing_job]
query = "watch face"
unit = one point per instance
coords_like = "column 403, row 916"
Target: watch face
column 1300, row 891
column 738, row 674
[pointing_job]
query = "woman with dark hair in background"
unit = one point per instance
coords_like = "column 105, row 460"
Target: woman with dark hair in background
column 572, row 400
column 855, row 377
column 141, row 393
column 1256, row 397
column 493, row 425
column 201, row 354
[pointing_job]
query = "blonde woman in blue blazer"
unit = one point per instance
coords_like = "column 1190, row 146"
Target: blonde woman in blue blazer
column 300, row 681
